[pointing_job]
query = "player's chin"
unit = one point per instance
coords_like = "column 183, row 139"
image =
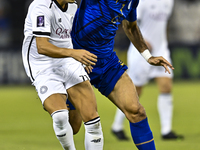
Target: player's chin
column 70, row 1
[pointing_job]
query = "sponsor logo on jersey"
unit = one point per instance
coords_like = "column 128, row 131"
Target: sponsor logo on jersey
column 40, row 21
column 63, row 33
column 96, row 140
column 159, row 15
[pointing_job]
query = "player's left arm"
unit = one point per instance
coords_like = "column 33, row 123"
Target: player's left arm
column 133, row 33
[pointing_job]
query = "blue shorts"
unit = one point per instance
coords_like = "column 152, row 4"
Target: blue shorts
column 106, row 73
column 69, row 105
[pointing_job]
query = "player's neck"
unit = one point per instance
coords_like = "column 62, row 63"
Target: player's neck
column 62, row 3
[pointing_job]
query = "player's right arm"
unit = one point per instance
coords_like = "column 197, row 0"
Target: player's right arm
column 44, row 47
column 41, row 17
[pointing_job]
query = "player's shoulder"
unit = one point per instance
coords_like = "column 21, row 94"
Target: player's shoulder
column 171, row 2
column 40, row 6
column 41, row 3
column 147, row 3
column 144, row 1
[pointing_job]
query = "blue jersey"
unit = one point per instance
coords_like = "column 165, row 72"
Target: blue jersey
column 96, row 23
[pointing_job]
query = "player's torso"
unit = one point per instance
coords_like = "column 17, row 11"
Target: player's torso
column 61, row 26
column 59, row 22
column 50, row 22
column 154, row 16
column 100, row 21
column 157, row 9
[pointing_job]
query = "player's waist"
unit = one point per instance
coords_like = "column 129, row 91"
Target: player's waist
column 101, row 50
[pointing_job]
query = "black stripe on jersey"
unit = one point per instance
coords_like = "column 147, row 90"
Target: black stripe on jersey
column 59, row 6
column 92, row 20
column 29, row 47
column 51, row 4
column 41, row 33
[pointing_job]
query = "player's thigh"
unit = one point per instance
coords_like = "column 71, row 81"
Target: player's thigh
column 83, row 98
column 124, row 95
column 51, row 91
column 55, row 102
column 74, row 117
column 164, row 84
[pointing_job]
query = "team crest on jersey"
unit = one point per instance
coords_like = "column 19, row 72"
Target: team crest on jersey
column 43, row 89
column 40, row 21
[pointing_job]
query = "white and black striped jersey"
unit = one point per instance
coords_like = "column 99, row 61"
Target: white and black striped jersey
column 46, row 18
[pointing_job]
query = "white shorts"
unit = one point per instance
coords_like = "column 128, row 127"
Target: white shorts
column 59, row 78
column 140, row 71
column 50, row 75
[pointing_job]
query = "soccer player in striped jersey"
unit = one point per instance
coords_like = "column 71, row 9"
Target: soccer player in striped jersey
column 56, row 70
column 153, row 18
column 94, row 29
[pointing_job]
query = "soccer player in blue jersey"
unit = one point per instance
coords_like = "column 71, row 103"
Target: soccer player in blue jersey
column 94, row 29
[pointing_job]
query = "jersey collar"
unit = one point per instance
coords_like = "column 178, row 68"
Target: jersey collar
column 59, row 6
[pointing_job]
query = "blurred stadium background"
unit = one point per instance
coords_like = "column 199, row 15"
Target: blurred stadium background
column 183, row 35
column 184, row 43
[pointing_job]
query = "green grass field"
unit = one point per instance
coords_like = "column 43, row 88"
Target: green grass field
column 24, row 125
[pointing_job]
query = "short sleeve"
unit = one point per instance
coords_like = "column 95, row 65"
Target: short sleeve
column 140, row 9
column 132, row 16
column 41, row 21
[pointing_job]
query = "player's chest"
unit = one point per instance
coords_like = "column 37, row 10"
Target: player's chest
column 118, row 10
column 61, row 25
column 159, row 9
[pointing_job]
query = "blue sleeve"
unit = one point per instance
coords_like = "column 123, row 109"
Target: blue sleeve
column 132, row 16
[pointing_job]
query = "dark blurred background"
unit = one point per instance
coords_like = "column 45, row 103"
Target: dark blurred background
column 183, row 36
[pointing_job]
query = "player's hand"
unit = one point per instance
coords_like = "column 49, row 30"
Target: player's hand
column 88, row 69
column 160, row 61
column 84, row 57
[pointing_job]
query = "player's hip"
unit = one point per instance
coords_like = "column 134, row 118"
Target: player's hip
column 141, row 75
column 106, row 73
column 58, row 79
column 102, row 50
